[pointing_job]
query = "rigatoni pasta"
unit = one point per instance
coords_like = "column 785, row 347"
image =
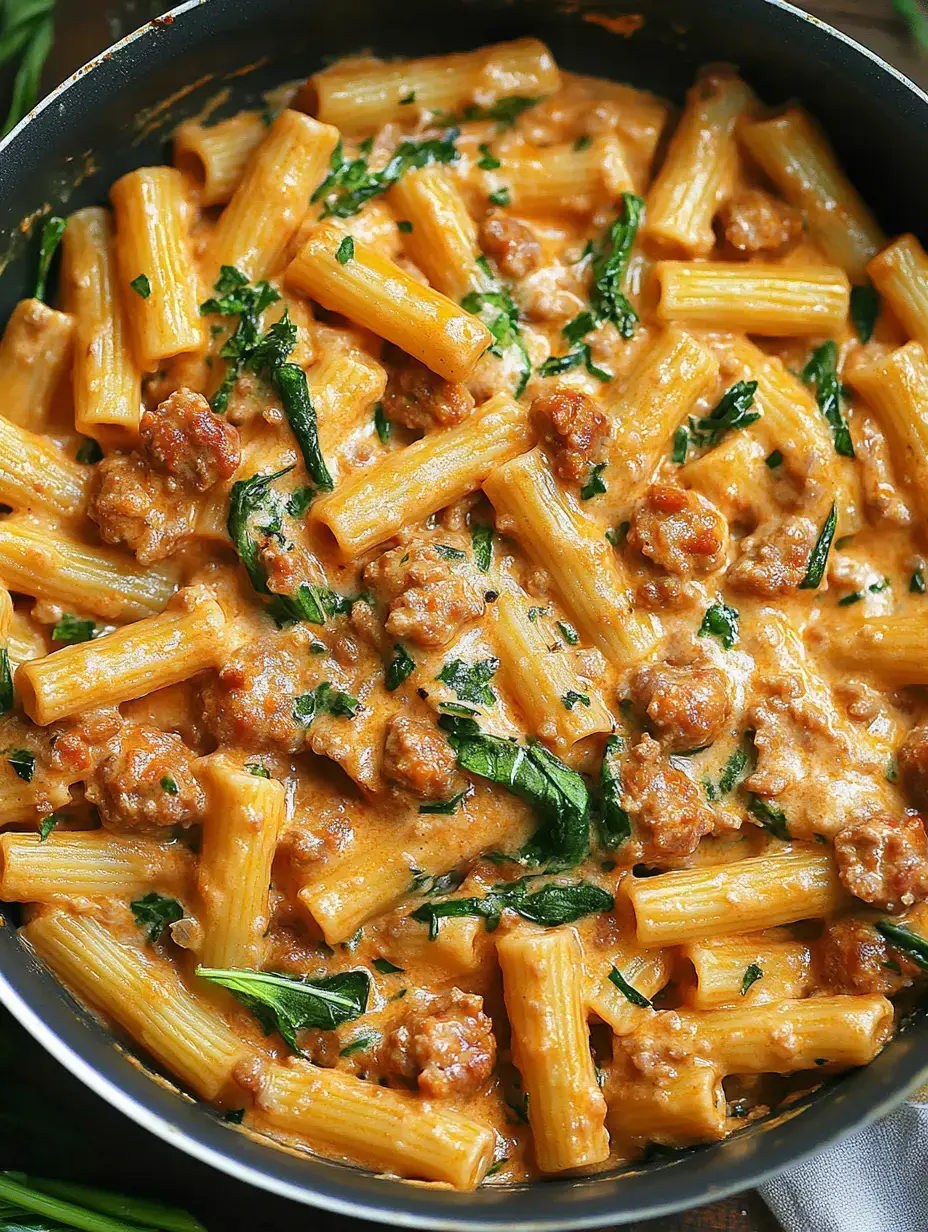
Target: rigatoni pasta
column 463, row 576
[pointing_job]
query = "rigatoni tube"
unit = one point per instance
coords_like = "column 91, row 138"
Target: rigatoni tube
column 412, row 483
column 85, row 864
column 543, row 986
column 443, row 236
column 361, row 97
column 153, row 243
column 699, row 171
column 107, row 380
column 662, row 390
column 783, row 301
column 890, row 647
column 145, row 995
column 35, row 355
column 214, row 156
column 758, row 969
column 900, row 274
column 244, row 818
column 389, row 1131
column 127, row 663
column 37, row 475
column 57, row 567
column 896, row 386
column 373, row 291
column 270, row 202
column 796, row 156
column 590, row 578
column 760, row 892
column 687, row 1109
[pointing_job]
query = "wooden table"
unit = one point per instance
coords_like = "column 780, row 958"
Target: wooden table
column 101, row 1146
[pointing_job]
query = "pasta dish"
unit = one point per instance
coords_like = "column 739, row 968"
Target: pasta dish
column 463, row 615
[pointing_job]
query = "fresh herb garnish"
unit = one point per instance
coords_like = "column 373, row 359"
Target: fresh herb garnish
column 631, row 994
column 732, row 773
column 501, row 196
column 752, row 974
column 595, row 484
column 381, row 423
column 345, row 251
column 52, row 231
column 680, row 445
column 721, row 622
column 555, row 365
column 732, row 413
column 582, row 143
column 361, row 1043
column 470, row 681
column 819, row 555
column 288, row 1005
column 500, row 313
column 769, row 816
column 917, row 581
column 854, row 597
column 774, row 459
column 49, row 823
column 7, row 692
column 254, row 501
column 299, row 501
column 481, row 539
column 404, row 226
column 558, row 794
column 234, row 297
column 902, row 938
column 400, row 667
column 568, row 633
column 572, row 697
column 141, row 286
column 72, row 629
column 822, row 372
column 865, row 308
column 324, row 699
column 607, row 300
column 614, row 823
column 449, row 553
column 550, row 906
column 619, row 534
column 155, row 912
column 408, row 98
column 259, row 771
column 23, row 763
column 301, row 415
column 385, row 967
column 487, row 160
column 444, row 807
column 89, row 451
column 351, row 184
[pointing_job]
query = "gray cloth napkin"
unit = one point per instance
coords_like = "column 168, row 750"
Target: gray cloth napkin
column 874, row 1181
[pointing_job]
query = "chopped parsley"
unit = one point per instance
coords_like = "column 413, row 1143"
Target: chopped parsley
column 582, row 143
column 481, row 538
column 169, row 785
column 470, row 681
column 571, row 698
column 769, row 816
column 404, row 226
column 400, row 668
column 721, row 622
column 449, row 553
column 501, row 196
column 917, row 581
column 350, row 184
column 681, row 443
column 487, row 160
column 141, row 286
column 47, row 824
column 381, row 423
column 595, row 484
column 324, row 699
column 607, row 300
column 568, row 633
column 408, row 98
column 345, row 251
column 500, row 313
column 155, row 912
column 259, row 771
column 774, row 459
column 72, row 629
column 618, row 535
column 22, row 762
column 865, row 308
column 752, row 974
